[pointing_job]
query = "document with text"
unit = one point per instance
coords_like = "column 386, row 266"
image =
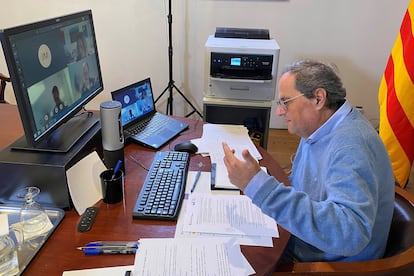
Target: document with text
column 252, row 240
column 227, row 214
column 166, row 256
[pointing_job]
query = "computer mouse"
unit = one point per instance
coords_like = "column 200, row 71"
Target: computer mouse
column 186, row 146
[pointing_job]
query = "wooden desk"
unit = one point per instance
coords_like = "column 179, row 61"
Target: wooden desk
column 114, row 222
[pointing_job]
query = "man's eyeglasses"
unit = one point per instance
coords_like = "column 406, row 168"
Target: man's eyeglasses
column 282, row 103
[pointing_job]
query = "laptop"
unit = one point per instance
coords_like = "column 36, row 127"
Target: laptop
column 140, row 121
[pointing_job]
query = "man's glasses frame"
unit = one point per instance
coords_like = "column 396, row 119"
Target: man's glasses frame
column 282, row 103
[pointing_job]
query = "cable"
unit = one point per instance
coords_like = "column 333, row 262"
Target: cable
column 137, row 162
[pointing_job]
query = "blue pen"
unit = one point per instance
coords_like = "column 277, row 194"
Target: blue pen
column 197, row 177
column 109, row 247
column 113, row 243
column 92, row 251
column 117, row 166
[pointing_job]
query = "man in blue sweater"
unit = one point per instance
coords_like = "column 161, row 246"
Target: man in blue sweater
column 340, row 203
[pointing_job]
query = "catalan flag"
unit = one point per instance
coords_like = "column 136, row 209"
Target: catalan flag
column 396, row 101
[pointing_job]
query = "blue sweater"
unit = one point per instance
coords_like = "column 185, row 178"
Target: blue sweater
column 340, row 204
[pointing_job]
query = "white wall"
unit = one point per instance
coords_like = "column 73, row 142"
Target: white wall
column 132, row 39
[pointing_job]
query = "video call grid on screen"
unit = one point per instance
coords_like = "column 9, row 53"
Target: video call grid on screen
column 59, row 68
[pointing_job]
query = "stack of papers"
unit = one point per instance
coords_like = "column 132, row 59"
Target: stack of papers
column 236, row 136
column 204, row 192
column 227, row 214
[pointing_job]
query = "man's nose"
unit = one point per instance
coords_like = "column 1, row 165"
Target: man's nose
column 280, row 111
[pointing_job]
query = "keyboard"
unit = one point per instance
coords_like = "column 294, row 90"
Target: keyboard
column 163, row 190
column 149, row 126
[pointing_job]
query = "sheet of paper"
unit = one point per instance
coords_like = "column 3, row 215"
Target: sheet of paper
column 84, row 183
column 103, row 271
column 227, row 214
column 203, row 183
column 240, row 239
column 212, row 256
column 236, row 136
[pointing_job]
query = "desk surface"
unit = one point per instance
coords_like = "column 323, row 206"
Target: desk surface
column 114, row 222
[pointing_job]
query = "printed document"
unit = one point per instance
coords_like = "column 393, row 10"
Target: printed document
column 203, row 186
column 166, row 256
column 227, row 214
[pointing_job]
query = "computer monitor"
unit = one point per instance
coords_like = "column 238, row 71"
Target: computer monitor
column 54, row 69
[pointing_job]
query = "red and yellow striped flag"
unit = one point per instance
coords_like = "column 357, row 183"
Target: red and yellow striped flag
column 396, row 101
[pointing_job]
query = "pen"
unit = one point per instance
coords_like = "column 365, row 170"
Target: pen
column 113, row 243
column 109, row 247
column 197, row 177
column 117, row 166
column 213, row 175
column 105, row 247
column 91, row 251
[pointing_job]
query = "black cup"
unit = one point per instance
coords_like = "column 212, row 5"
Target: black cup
column 112, row 187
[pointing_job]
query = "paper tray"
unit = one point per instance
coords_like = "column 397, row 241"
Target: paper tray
column 27, row 251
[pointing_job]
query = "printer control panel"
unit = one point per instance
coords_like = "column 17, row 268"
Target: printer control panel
column 241, row 66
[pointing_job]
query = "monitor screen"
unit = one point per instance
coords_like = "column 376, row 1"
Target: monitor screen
column 55, row 71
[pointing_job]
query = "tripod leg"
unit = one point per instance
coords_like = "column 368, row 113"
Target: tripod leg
column 162, row 93
column 188, row 101
column 169, row 108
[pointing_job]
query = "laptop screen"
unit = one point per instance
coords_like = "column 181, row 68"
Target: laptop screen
column 136, row 99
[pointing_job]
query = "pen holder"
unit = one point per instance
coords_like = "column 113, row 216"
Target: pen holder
column 112, row 187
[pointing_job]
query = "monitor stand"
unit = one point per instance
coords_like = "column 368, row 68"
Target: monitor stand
column 64, row 137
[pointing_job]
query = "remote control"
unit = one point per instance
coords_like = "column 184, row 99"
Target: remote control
column 87, row 219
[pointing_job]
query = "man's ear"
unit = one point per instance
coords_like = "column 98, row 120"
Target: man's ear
column 320, row 97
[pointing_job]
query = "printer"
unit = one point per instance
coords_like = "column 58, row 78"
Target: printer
column 241, row 68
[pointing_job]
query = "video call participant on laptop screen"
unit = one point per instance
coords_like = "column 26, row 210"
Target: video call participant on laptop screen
column 140, row 120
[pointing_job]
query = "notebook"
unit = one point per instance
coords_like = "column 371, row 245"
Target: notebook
column 140, row 121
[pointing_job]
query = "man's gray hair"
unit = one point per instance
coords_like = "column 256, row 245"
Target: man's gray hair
column 311, row 75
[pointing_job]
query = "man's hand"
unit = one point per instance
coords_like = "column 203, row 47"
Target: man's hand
column 240, row 171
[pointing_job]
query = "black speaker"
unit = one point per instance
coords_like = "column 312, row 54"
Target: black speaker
column 112, row 134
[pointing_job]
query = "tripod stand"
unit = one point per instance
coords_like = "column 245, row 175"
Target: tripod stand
column 171, row 86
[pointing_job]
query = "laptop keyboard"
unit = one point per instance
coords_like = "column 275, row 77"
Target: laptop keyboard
column 149, row 126
column 163, row 190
